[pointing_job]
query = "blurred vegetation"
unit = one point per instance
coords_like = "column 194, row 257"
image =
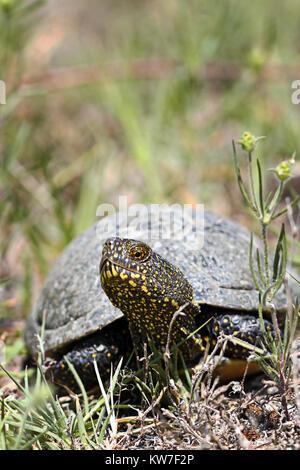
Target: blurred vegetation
column 136, row 98
column 139, row 98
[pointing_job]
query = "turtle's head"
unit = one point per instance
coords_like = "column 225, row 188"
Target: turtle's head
column 146, row 287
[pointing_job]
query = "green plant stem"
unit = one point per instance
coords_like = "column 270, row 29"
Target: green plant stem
column 296, row 201
column 244, row 193
column 276, row 199
column 253, row 197
column 266, row 253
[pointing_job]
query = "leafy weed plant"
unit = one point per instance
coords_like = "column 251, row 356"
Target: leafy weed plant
column 270, row 277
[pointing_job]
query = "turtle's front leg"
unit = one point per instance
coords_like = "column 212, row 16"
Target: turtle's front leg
column 105, row 347
column 239, row 325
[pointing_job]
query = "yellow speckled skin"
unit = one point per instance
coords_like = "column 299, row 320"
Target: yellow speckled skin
column 149, row 290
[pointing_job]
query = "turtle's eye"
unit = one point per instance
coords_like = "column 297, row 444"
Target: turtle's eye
column 139, row 252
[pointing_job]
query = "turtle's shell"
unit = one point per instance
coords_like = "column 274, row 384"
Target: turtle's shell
column 74, row 305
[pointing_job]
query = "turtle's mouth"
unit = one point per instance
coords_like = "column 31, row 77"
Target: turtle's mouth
column 103, row 261
column 114, row 267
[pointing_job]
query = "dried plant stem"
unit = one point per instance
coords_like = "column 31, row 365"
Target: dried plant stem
column 283, row 390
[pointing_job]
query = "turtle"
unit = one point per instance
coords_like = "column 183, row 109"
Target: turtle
column 108, row 294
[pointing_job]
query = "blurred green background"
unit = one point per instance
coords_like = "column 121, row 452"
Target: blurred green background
column 131, row 97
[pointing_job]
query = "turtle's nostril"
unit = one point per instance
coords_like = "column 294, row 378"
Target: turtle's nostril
column 109, row 243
